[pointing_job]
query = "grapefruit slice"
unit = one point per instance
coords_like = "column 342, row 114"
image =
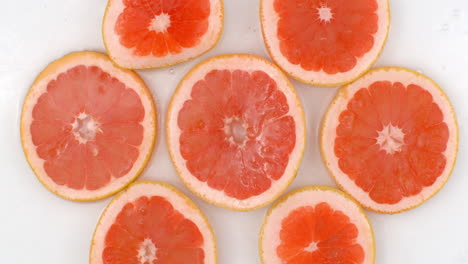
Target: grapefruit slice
column 235, row 131
column 88, row 128
column 390, row 139
column 325, row 43
column 142, row 34
column 149, row 223
column 316, row 225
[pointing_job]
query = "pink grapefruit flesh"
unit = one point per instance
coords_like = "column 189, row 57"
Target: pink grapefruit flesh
column 151, row 34
column 325, row 43
column 390, row 139
column 87, row 127
column 235, row 131
column 316, row 225
column 152, row 223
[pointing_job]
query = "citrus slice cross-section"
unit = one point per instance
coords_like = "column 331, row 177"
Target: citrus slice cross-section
column 390, row 139
column 315, row 225
column 325, row 42
column 235, row 131
column 142, row 34
column 88, row 128
column 152, row 223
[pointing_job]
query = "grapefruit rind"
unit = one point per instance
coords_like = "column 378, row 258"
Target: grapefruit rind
column 339, row 103
column 310, row 196
column 39, row 87
column 269, row 28
column 245, row 62
column 180, row 202
column 129, row 61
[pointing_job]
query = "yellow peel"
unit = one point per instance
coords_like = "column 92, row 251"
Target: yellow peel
column 179, row 172
column 322, row 84
column 54, row 68
column 303, row 189
column 343, row 90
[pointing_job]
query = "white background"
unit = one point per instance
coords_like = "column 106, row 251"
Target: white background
column 37, row 227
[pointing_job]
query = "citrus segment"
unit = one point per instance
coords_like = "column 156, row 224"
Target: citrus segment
column 152, row 223
column 87, row 127
column 393, row 134
column 148, row 34
column 317, row 235
column 325, row 42
column 316, row 225
column 159, row 28
column 235, row 132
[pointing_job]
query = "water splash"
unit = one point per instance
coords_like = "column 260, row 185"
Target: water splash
column 444, row 27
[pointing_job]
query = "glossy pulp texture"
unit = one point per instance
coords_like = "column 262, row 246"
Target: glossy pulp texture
column 162, row 27
column 150, row 231
column 87, row 128
column 390, row 140
column 317, row 235
column 236, row 134
column 326, row 35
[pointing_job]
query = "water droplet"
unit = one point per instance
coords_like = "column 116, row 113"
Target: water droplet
column 171, row 71
column 456, row 12
column 444, row 27
column 444, row 67
column 419, row 70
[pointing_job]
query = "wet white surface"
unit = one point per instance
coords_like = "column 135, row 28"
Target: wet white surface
column 36, row 226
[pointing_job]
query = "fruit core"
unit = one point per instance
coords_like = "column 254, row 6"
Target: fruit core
column 160, row 23
column 311, row 247
column 84, row 128
column 235, row 130
column 147, row 252
column 391, row 139
column 325, row 14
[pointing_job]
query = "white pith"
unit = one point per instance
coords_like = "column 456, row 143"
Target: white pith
column 149, row 123
column 310, row 196
column 325, row 14
column 160, row 23
column 269, row 19
column 147, row 251
column 247, row 63
column 85, row 127
column 311, row 247
column 328, row 135
column 124, row 57
column 235, row 131
column 391, row 139
column 180, row 203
